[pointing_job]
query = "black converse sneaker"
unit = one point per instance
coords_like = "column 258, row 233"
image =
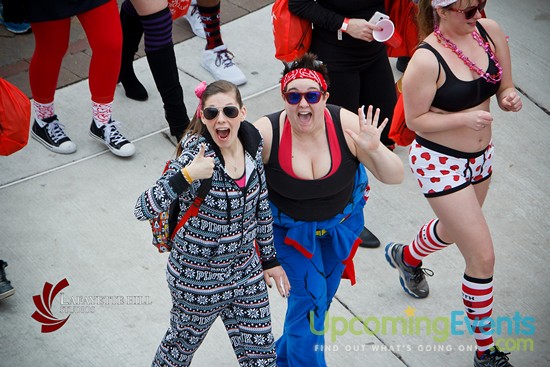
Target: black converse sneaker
column 109, row 135
column 52, row 136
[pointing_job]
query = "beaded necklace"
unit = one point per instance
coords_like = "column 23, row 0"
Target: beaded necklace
column 494, row 78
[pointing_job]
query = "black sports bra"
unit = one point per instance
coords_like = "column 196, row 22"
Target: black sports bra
column 457, row 95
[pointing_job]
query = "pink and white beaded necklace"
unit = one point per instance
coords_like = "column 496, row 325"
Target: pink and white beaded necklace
column 491, row 78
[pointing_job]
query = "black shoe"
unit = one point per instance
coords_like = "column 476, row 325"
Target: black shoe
column 132, row 32
column 401, row 63
column 6, row 288
column 369, row 239
column 109, row 135
column 492, row 358
column 52, row 136
column 133, row 87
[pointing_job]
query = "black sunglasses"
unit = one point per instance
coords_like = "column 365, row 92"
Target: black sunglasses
column 471, row 11
column 211, row 113
column 295, row 97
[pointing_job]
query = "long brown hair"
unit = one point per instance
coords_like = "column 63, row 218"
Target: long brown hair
column 196, row 127
column 427, row 17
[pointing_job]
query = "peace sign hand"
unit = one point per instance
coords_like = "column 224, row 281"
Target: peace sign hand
column 369, row 131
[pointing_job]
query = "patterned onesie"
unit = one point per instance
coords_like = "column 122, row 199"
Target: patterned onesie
column 214, row 268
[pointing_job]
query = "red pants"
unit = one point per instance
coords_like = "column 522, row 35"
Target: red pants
column 102, row 27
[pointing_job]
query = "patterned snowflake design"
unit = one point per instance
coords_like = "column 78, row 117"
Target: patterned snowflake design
column 202, row 300
column 260, row 340
column 190, row 273
column 253, row 313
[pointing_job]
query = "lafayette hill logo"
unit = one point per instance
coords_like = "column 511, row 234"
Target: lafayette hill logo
column 43, row 303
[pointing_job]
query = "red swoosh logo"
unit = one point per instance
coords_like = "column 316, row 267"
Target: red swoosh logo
column 43, row 303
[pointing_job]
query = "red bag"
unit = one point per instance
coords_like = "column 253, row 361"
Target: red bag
column 399, row 132
column 178, row 8
column 292, row 34
column 15, row 116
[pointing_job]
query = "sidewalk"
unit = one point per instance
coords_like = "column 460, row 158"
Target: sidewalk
column 72, row 217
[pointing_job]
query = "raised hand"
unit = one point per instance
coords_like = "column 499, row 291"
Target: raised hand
column 201, row 167
column 369, row 130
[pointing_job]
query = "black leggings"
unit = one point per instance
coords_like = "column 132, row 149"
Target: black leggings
column 371, row 83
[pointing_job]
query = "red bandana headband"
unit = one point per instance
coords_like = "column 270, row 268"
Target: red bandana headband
column 304, row 73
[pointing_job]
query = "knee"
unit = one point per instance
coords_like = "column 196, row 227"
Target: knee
column 482, row 265
column 53, row 51
column 107, row 46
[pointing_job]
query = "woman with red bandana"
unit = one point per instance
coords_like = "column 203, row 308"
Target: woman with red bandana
column 312, row 155
column 460, row 65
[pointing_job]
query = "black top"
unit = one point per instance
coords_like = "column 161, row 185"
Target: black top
column 42, row 10
column 327, row 17
column 311, row 200
column 457, row 95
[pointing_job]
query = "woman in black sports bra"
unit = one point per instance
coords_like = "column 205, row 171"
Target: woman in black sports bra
column 463, row 61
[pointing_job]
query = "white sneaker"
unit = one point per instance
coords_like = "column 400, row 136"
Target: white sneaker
column 219, row 63
column 194, row 18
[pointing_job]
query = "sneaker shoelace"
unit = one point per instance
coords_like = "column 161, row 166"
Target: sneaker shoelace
column 418, row 274
column 55, row 131
column 499, row 359
column 195, row 12
column 111, row 133
column 224, row 58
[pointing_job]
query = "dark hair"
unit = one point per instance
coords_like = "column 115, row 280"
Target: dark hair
column 307, row 61
column 196, row 127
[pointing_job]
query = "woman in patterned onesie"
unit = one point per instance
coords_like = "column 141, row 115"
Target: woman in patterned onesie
column 447, row 88
column 214, row 268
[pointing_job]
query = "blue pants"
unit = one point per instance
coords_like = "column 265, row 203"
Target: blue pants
column 314, row 283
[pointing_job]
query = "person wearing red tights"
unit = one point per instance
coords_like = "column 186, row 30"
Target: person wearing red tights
column 51, row 22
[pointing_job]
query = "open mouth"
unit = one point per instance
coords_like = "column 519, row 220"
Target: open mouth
column 223, row 132
column 304, row 116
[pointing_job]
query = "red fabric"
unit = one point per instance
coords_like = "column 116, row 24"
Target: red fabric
column 349, row 270
column 292, row 34
column 102, row 27
column 178, row 8
column 15, row 114
column 402, row 13
column 399, row 132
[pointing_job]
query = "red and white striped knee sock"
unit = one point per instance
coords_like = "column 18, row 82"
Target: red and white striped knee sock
column 102, row 113
column 477, row 295
column 425, row 243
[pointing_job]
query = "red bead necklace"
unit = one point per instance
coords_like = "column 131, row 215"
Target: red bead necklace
column 492, row 78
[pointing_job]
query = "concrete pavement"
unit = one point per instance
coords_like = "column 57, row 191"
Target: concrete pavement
column 72, row 217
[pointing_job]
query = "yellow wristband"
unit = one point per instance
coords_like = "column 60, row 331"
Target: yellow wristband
column 187, row 176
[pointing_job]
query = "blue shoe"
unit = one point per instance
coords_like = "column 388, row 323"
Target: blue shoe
column 17, row 28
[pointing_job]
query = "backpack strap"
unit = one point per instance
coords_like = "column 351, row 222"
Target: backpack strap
column 194, row 208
